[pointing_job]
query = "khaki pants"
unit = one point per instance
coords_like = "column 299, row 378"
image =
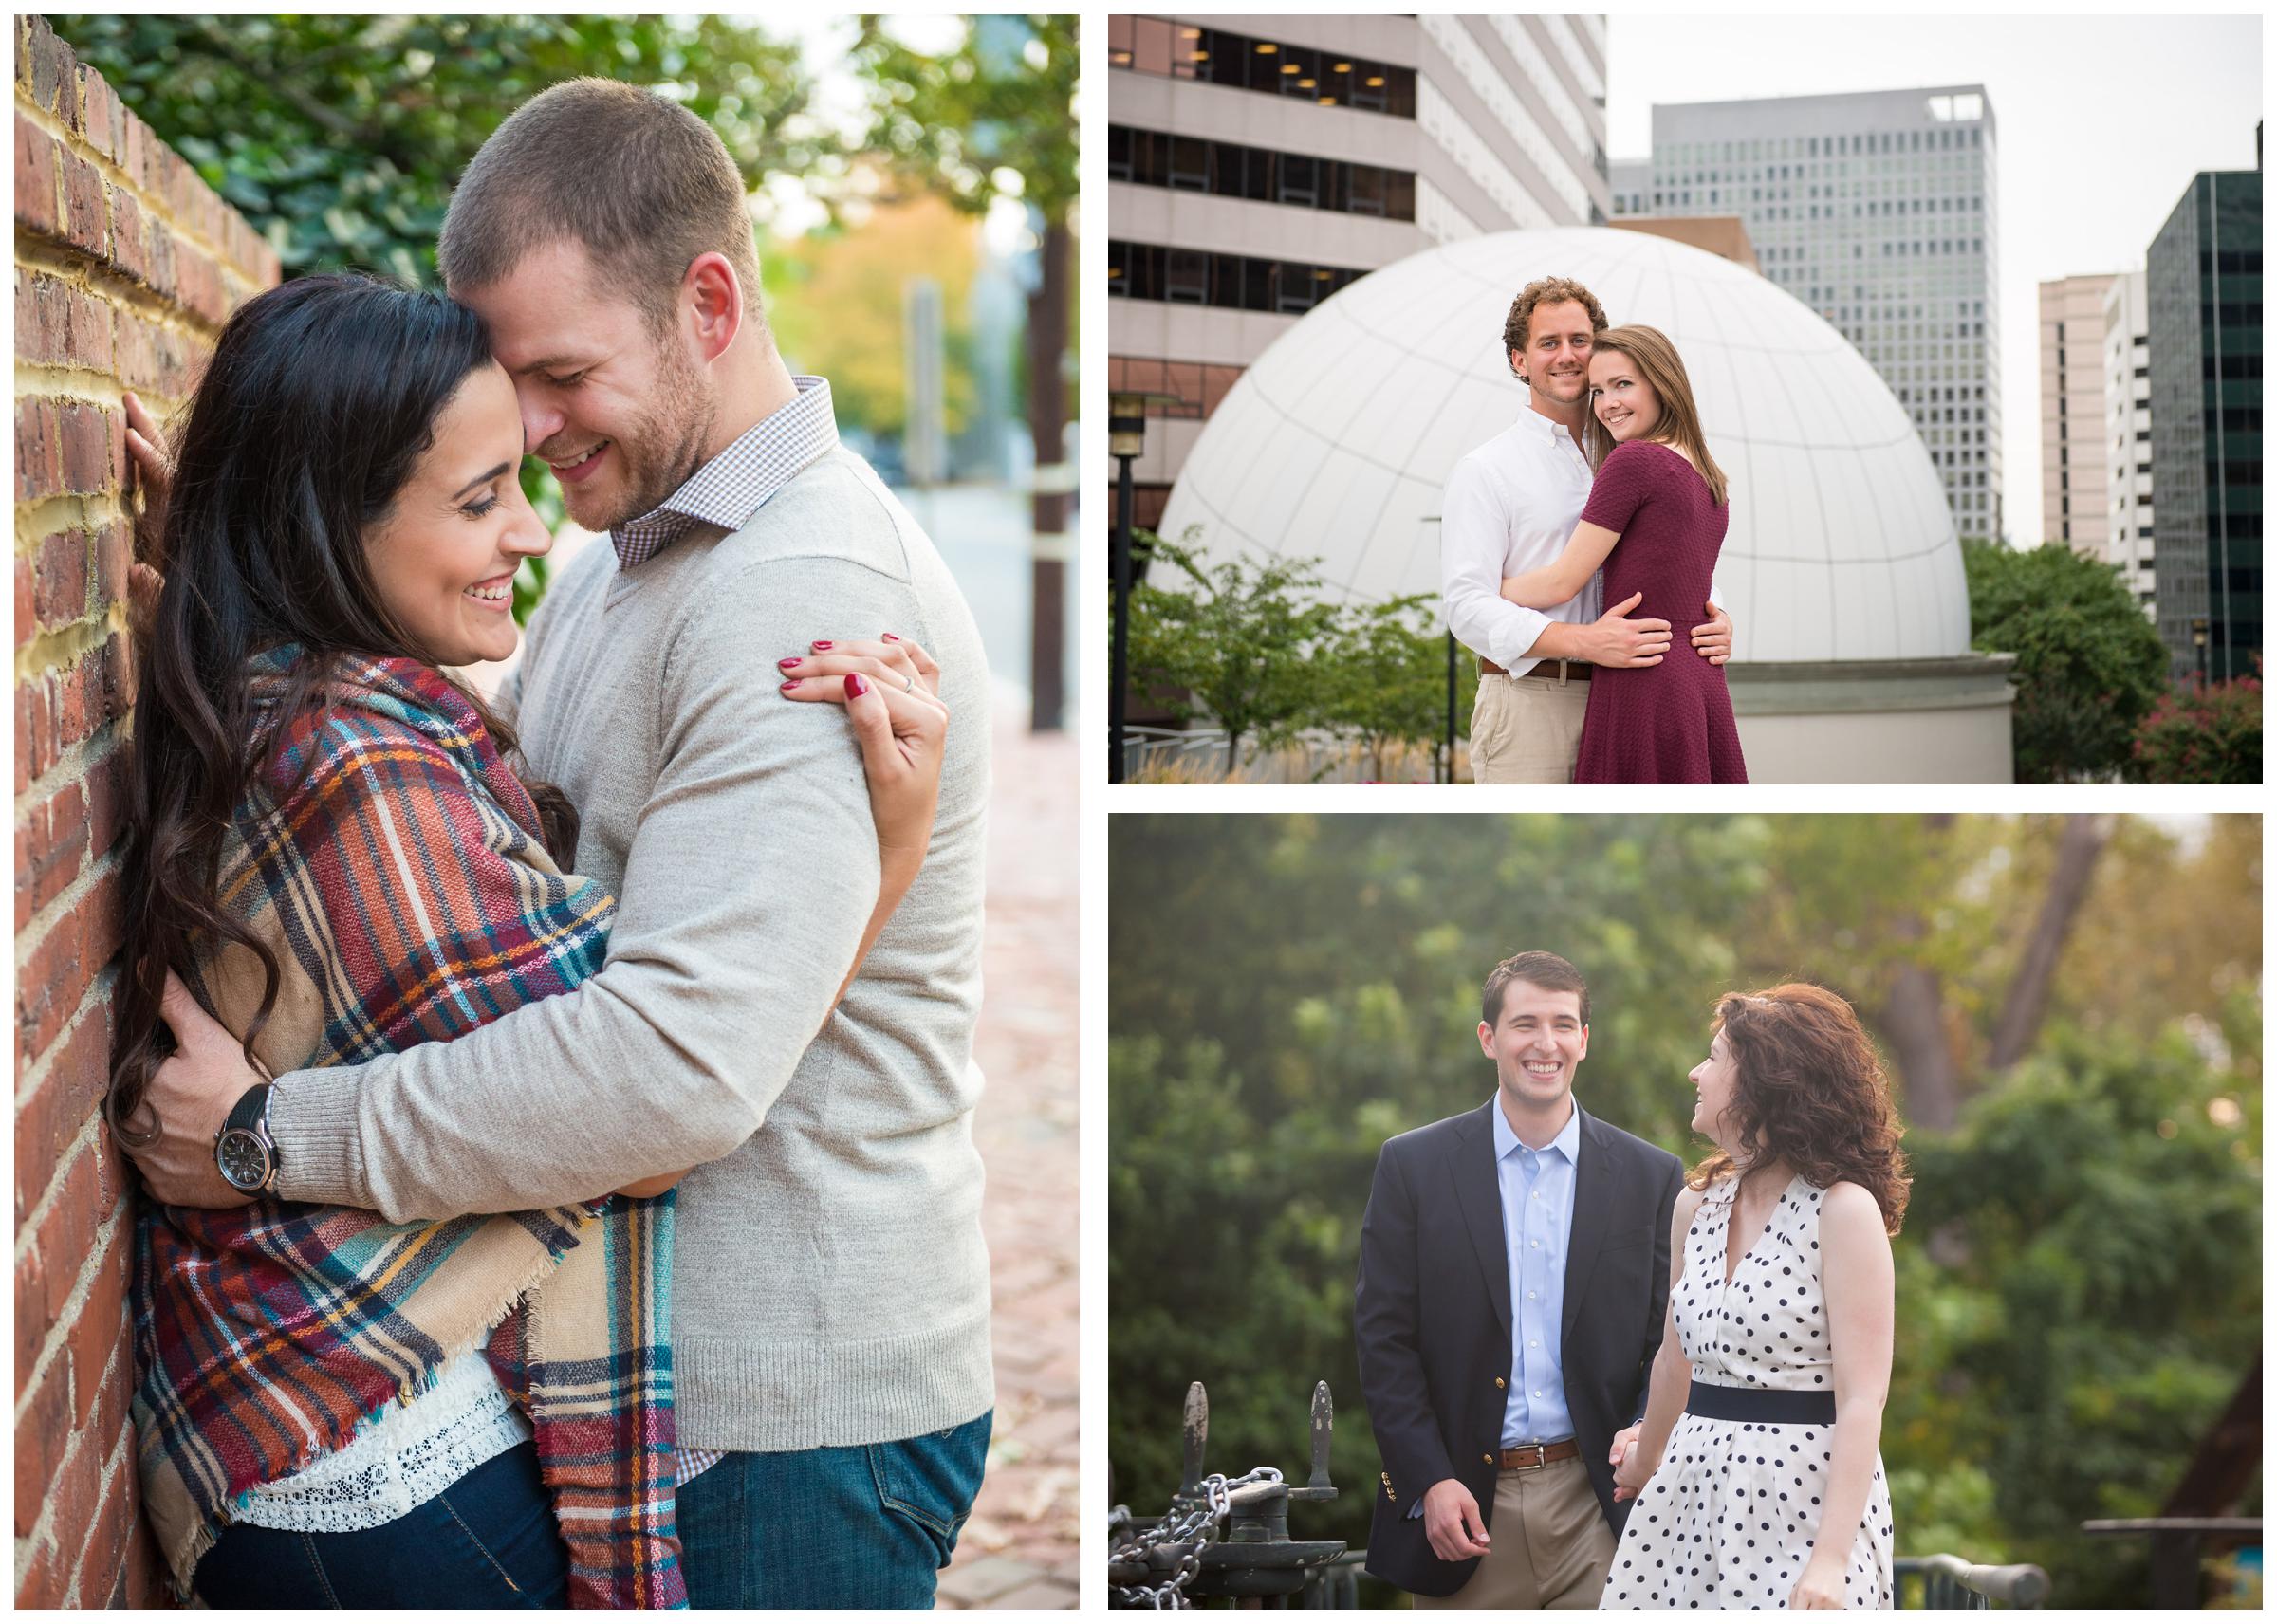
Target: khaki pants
column 1526, row 729
column 1549, row 1544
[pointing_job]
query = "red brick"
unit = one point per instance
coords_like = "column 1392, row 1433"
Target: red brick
column 108, row 785
column 114, row 553
column 67, row 1234
column 58, row 970
column 130, row 236
column 36, row 153
column 42, row 1585
column 51, row 66
column 42, row 1434
column 98, row 1334
column 75, row 1493
column 58, row 832
column 96, row 105
column 61, row 578
column 58, row 325
column 27, row 619
column 152, row 358
column 66, row 1097
column 38, row 450
column 36, row 731
column 99, row 1567
column 86, row 222
column 197, row 282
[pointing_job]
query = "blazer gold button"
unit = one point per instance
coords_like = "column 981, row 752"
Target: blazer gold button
column 1488, row 1459
column 1499, row 1382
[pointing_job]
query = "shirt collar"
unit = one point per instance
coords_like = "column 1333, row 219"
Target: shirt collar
column 734, row 485
column 1566, row 1144
column 1549, row 431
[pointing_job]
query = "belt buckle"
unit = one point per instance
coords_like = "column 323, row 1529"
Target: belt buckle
column 1541, row 1457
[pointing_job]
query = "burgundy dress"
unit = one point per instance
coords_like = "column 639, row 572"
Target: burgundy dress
column 1668, row 723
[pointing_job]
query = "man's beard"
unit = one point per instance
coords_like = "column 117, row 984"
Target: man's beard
column 666, row 445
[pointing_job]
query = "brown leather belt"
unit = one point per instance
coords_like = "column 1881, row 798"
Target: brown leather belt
column 1576, row 671
column 1533, row 1457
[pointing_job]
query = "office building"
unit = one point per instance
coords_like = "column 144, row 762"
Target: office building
column 2127, row 435
column 1880, row 212
column 1257, row 164
column 2075, row 508
column 2203, row 280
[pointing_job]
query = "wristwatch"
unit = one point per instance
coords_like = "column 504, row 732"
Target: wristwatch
column 243, row 1149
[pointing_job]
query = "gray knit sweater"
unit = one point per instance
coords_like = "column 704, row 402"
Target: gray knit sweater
column 831, row 1285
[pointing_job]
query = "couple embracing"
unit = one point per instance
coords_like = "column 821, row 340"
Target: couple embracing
column 1597, row 1380
column 1577, row 561
column 555, row 1110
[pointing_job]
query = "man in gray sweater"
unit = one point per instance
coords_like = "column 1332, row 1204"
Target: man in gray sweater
column 830, row 1327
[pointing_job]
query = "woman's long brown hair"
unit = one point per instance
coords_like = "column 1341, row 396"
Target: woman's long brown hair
column 1810, row 1093
column 314, row 412
column 1662, row 370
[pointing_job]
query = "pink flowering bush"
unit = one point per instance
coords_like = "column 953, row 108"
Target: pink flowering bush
column 2202, row 734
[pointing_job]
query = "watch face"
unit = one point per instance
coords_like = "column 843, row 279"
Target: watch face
column 243, row 1157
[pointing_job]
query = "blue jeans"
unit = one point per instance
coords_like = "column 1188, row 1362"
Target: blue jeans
column 487, row 1541
column 865, row 1526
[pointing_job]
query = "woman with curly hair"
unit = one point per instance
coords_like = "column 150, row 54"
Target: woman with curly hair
column 1759, row 1469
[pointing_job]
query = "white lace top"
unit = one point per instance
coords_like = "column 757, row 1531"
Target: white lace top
column 408, row 1453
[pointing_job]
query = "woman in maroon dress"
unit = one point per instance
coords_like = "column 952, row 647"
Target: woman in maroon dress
column 1662, row 498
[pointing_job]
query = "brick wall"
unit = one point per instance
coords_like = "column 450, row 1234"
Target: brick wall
column 126, row 265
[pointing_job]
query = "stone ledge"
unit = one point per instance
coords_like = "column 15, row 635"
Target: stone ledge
column 1804, row 687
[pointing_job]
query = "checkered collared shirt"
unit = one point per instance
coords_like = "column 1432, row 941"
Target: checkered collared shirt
column 734, row 485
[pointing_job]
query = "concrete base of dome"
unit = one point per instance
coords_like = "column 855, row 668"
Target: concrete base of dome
column 1911, row 721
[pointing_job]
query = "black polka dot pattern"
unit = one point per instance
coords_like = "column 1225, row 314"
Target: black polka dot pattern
column 1731, row 1518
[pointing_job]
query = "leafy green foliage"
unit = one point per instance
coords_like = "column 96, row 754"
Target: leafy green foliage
column 1387, row 676
column 2208, row 736
column 1234, row 641
column 2079, row 1278
column 2089, row 665
column 993, row 118
column 340, row 138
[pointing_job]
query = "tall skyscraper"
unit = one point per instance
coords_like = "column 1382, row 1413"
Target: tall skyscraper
column 1880, row 212
column 2204, row 281
column 1257, row 164
column 2127, row 434
column 2075, row 504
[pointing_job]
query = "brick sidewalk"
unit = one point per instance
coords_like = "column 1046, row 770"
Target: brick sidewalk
column 1020, row 1547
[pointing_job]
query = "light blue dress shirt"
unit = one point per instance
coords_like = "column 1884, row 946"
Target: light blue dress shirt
column 1537, row 1224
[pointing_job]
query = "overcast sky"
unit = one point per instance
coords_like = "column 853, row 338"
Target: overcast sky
column 2102, row 121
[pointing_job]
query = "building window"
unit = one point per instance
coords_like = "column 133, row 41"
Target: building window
column 1242, row 62
column 1233, row 281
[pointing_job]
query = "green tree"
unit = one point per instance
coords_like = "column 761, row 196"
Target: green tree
column 1234, row 641
column 2089, row 665
column 1385, row 677
column 340, row 138
column 2203, row 735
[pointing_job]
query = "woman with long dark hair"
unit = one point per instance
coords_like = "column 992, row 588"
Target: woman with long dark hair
column 1758, row 1470
column 331, row 848
column 1656, row 520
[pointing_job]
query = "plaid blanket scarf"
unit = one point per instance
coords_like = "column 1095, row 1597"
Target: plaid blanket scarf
column 390, row 863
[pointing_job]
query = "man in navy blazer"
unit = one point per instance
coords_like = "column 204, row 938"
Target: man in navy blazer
column 1513, row 1282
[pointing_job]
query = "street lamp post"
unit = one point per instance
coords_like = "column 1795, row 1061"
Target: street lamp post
column 2198, row 637
column 1126, row 440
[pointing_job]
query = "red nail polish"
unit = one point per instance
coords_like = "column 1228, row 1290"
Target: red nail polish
column 857, row 685
column 787, row 664
column 891, row 638
column 821, row 643
column 791, row 684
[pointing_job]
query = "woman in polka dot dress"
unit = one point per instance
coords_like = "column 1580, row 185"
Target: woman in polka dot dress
column 1758, row 1473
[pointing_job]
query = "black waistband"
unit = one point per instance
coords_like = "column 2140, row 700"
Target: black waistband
column 1711, row 1403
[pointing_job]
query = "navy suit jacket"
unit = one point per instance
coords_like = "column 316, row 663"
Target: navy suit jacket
column 1432, row 1315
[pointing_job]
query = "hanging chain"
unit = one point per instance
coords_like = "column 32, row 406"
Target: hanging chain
column 1194, row 1530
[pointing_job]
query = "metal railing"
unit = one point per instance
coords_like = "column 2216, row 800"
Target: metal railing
column 2176, row 1545
column 1949, row 1581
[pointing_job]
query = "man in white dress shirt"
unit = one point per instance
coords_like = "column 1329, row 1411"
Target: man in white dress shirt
column 1512, row 506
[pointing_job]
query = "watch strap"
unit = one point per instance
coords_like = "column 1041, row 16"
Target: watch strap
column 252, row 1110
